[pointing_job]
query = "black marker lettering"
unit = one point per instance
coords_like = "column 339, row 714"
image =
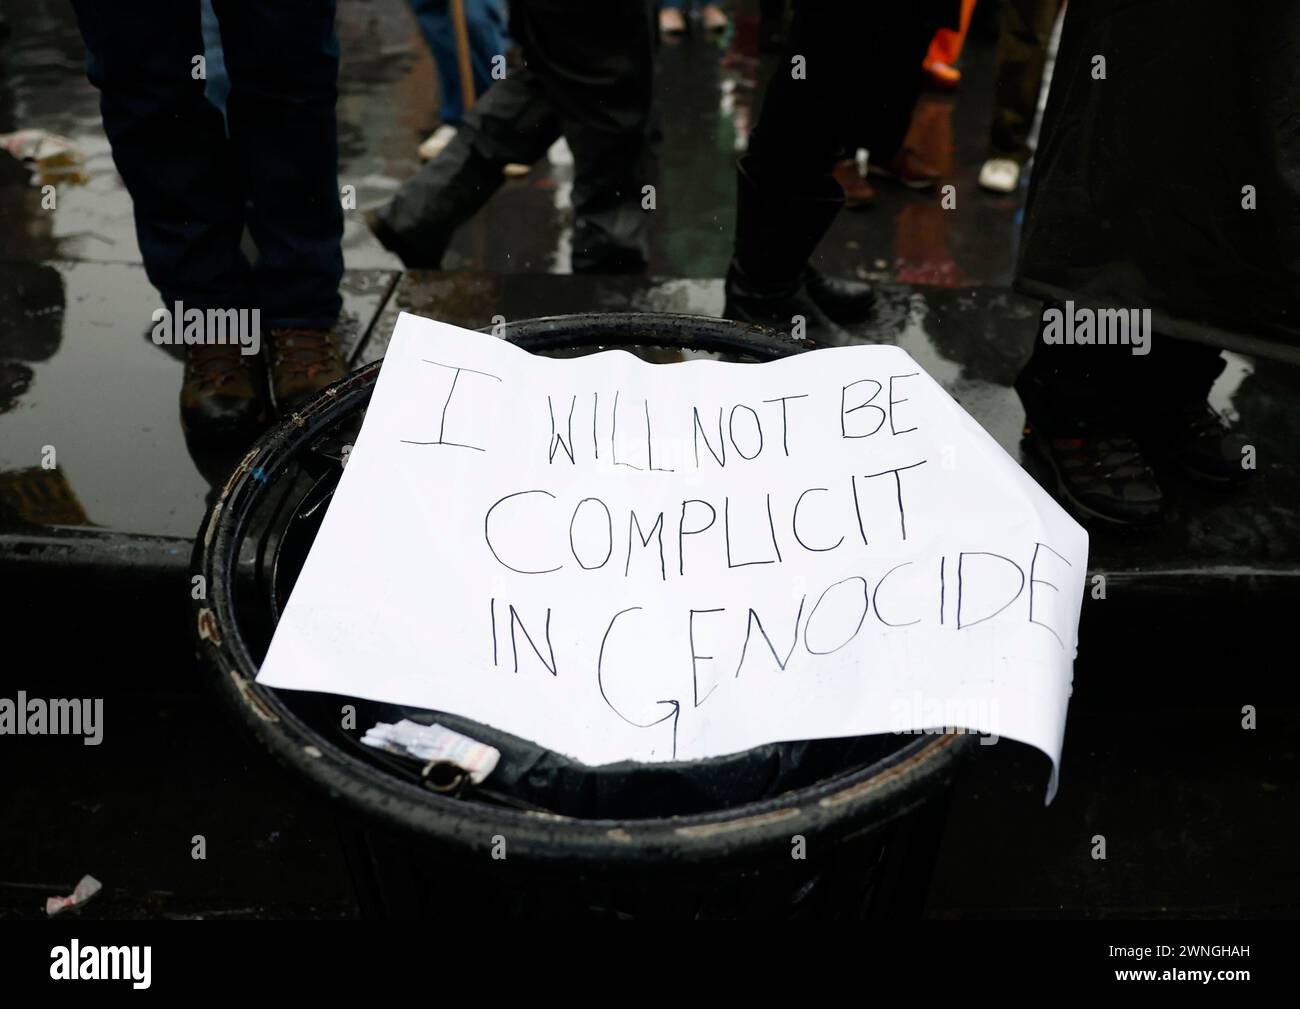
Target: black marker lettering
column 893, row 415
column 695, row 657
column 731, row 430
column 613, row 434
column 726, row 528
column 1038, row 581
column 898, row 481
column 557, row 441
column 657, row 528
column 754, row 621
column 845, row 410
column 683, row 532
column 649, row 444
column 676, row 707
column 487, row 533
column 609, row 534
column 785, row 426
column 866, row 605
column 961, row 557
column 721, row 460
column 794, row 523
column 442, row 425
column 515, row 621
column 875, row 599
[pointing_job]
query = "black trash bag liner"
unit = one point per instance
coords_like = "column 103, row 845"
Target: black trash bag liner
column 529, row 776
column 1135, row 198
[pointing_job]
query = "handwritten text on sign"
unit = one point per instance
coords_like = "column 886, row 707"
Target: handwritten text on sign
column 622, row 560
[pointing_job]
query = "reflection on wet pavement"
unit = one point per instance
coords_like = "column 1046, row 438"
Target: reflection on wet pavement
column 79, row 373
column 98, row 392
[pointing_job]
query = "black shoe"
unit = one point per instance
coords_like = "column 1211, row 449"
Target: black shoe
column 412, row 258
column 843, row 300
column 1100, row 471
column 1100, row 475
column 223, row 398
column 778, row 308
column 1197, row 441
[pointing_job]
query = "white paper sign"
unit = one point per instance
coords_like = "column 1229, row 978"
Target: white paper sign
column 623, row 560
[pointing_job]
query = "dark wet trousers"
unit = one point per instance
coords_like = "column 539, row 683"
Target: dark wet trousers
column 193, row 187
column 1062, row 383
column 1024, row 32
column 851, row 87
column 589, row 78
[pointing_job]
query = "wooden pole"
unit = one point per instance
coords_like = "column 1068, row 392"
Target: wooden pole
column 462, row 53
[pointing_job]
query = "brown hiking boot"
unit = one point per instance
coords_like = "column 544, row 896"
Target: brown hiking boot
column 223, row 396
column 303, row 362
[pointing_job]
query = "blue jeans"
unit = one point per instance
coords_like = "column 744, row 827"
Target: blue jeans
column 485, row 23
column 193, row 187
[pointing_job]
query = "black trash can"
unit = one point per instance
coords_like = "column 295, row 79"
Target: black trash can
column 817, row 828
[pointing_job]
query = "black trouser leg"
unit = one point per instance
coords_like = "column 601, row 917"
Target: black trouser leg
column 283, row 66
column 170, row 148
column 594, row 61
column 1024, row 32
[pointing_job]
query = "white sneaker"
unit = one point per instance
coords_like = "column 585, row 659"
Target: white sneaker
column 1000, row 175
column 437, row 140
column 559, row 153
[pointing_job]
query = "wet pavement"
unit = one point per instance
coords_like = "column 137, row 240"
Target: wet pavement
column 1190, row 631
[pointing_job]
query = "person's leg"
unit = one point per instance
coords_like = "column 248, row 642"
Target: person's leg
column 283, row 71
column 940, row 61
column 1024, row 33
column 1079, row 421
column 169, row 146
column 890, row 88
column 434, row 20
column 283, row 88
column 485, row 26
column 1102, row 415
column 787, row 196
column 594, row 62
column 511, row 123
column 218, row 83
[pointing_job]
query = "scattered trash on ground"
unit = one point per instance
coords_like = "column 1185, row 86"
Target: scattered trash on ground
column 55, row 159
column 87, row 888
